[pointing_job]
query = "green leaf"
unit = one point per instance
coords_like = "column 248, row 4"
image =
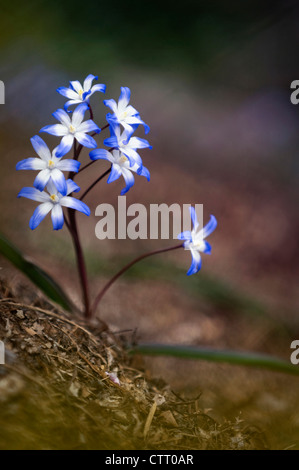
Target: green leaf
column 214, row 355
column 39, row 277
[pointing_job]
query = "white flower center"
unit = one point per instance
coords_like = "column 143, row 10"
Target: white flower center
column 54, row 198
column 72, row 129
column 80, row 93
column 123, row 159
column 51, row 164
column 199, row 244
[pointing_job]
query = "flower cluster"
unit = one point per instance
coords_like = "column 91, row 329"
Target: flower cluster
column 51, row 188
column 54, row 191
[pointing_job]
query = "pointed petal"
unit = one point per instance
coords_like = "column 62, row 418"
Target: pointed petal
column 31, row 164
column 76, row 85
column 34, row 194
column 65, row 145
column 55, row 129
column 185, row 235
column 129, row 179
column 78, row 114
column 210, row 227
column 67, row 92
column 59, row 181
column 111, row 104
column 88, row 81
column 39, row 214
column 85, row 140
column 72, row 187
column 137, row 143
column 193, row 218
column 196, row 263
column 100, row 87
column 41, row 148
column 124, row 98
column 68, row 165
column 88, row 126
column 111, row 141
column 42, row 179
column 57, row 217
column 102, row 154
column 63, row 117
column 76, row 204
column 144, row 172
column 114, row 174
column 69, row 103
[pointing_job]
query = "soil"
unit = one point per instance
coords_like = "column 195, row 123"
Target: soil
column 66, row 384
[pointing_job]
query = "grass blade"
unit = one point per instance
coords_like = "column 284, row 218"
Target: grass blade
column 214, row 355
column 39, row 277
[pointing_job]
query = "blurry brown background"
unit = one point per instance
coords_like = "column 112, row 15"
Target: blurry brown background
column 213, row 83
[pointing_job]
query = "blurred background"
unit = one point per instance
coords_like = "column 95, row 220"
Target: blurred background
column 212, row 80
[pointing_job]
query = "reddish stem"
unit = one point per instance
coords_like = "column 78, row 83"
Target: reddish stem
column 124, row 269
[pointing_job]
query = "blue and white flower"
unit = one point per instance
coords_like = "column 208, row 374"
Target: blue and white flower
column 126, row 144
column 194, row 240
column 76, row 93
column 53, row 201
column 121, row 166
column 72, row 128
column 124, row 114
column 49, row 165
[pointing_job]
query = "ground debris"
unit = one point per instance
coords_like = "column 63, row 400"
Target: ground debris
column 65, row 386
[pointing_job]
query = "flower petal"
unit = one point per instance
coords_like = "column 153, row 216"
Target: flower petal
column 62, row 116
column 98, row 154
column 65, row 145
column 85, row 140
column 185, row 235
column 41, row 148
column 76, row 204
column 31, row 164
column 124, row 98
column 88, row 81
column 194, row 218
column 59, row 181
column 69, row 103
column 114, row 174
column 99, row 87
column 78, row 114
column 34, row 194
column 55, row 129
column 137, row 143
column 57, row 217
column 42, row 179
column 68, row 165
column 88, row 126
column 129, row 179
column 72, row 187
column 210, row 227
column 39, row 214
column 67, row 92
column 196, row 263
column 144, row 172
column 111, row 104
column 76, row 85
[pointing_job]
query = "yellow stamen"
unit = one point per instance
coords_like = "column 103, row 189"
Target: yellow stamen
column 54, row 198
column 51, row 164
column 72, row 129
column 123, row 159
column 80, row 93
